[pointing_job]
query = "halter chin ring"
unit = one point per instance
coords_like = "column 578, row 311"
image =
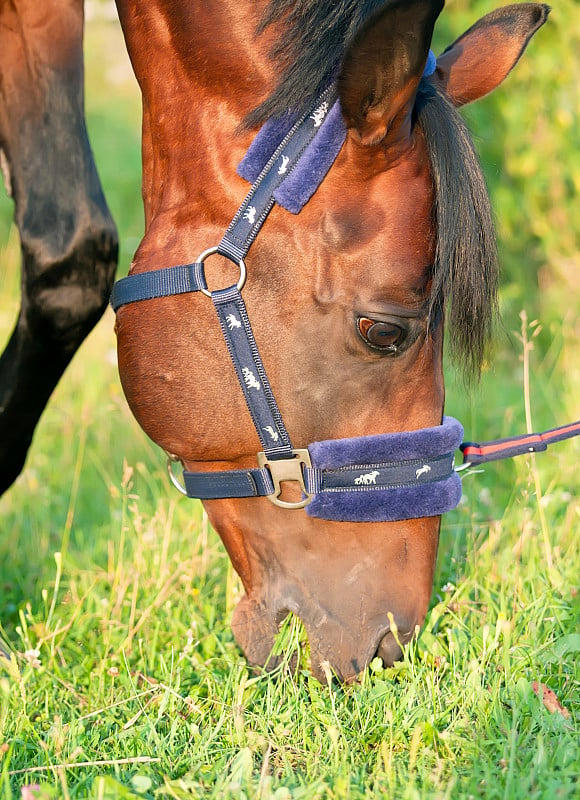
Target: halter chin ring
column 287, row 469
column 171, row 460
column 241, row 264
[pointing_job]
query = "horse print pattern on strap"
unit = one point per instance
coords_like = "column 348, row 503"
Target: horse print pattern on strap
column 233, row 322
column 367, row 479
column 251, row 382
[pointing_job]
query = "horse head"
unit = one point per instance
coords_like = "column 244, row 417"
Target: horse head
column 347, row 299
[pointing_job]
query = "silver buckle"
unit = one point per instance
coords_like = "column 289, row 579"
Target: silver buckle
column 287, row 469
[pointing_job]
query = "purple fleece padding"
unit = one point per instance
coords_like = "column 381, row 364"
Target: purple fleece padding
column 317, row 159
column 264, row 144
column 405, row 446
column 430, row 65
column 297, row 189
column 388, row 504
column 301, row 183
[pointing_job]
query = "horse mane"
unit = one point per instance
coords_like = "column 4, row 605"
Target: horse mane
column 315, row 37
column 465, row 275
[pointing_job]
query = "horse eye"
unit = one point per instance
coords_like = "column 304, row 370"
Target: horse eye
column 381, row 335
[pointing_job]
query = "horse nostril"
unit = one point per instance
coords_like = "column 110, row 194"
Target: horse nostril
column 389, row 650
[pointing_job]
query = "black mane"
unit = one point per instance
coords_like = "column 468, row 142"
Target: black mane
column 315, row 39
column 466, row 273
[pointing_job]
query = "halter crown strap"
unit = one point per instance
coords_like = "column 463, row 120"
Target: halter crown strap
column 250, row 216
column 260, row 200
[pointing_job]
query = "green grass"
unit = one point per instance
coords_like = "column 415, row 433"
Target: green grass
column 139, row 689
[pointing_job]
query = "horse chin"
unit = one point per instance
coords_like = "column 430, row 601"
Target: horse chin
column 254, row 627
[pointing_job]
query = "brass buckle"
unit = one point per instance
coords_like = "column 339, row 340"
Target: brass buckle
column 287, row 469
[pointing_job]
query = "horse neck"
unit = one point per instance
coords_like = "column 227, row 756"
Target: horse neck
column 201, row 69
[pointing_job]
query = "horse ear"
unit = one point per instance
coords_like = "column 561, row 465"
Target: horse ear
column 382, row 68
column 479, row 60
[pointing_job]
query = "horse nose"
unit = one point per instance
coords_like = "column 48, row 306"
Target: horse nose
column 389, row 649
column 347, row 665
column 348, row 657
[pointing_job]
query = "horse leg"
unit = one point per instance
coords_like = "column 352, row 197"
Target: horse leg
column 63, row 296
column 68, row 238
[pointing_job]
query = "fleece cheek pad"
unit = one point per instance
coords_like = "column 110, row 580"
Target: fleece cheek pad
column 387, row 477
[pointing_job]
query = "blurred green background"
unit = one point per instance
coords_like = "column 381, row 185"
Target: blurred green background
column 528, row 136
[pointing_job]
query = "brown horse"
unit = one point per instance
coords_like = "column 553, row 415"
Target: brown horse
column 68, row 238
column 346, row 299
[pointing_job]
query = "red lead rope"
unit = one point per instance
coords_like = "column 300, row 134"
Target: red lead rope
column 476, row 453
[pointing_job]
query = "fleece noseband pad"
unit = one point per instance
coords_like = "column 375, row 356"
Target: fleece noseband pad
column 387, row 477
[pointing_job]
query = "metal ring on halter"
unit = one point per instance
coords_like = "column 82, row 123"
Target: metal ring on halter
column 171, row 459
column 241, row 264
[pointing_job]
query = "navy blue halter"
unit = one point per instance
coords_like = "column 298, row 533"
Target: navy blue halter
column 385, row 477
